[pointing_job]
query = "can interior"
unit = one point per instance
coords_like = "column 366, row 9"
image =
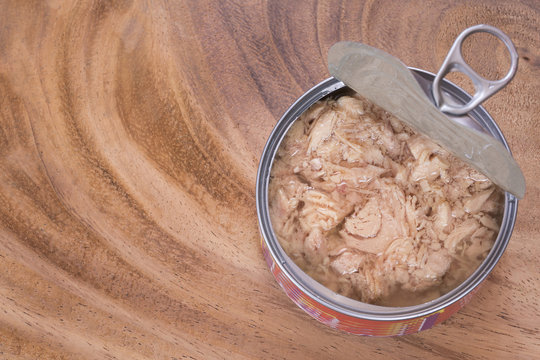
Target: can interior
column 478, row 119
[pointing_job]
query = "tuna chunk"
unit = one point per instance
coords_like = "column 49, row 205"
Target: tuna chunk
column 438, row 264
column 443, row 217
column 320, row 211
column 462, row 232
column 348, row 262
column 356, row 176
column 322, row 130
column 368, row 285
column 489, row 222
column 429, row 168
column 365, row 222
column 361, row 270
column 474, row 203
column 351, row 106
column 381, row 221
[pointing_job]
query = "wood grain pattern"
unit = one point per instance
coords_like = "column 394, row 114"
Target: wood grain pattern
column 130, row 133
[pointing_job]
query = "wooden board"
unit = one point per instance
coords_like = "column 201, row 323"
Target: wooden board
column 130, row 134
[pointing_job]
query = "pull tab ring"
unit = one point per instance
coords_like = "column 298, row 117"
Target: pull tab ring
column 484, row 88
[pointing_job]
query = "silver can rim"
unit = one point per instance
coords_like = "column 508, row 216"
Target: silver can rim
column 325, row 296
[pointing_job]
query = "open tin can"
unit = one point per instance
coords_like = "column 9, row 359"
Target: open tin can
column 344, row 313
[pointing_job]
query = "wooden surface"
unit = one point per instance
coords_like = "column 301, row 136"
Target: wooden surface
column 130, row 134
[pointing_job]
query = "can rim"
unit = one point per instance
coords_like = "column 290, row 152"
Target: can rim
column 319, row 292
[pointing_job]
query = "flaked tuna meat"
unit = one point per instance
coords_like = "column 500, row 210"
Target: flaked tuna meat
column 474, row 203
column 461, row 233
column 366, row 220
column 376, row 212
column 320, row 210
column 322, row 130
column 443, row 217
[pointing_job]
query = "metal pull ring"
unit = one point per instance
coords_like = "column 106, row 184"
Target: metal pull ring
column 484, row 88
